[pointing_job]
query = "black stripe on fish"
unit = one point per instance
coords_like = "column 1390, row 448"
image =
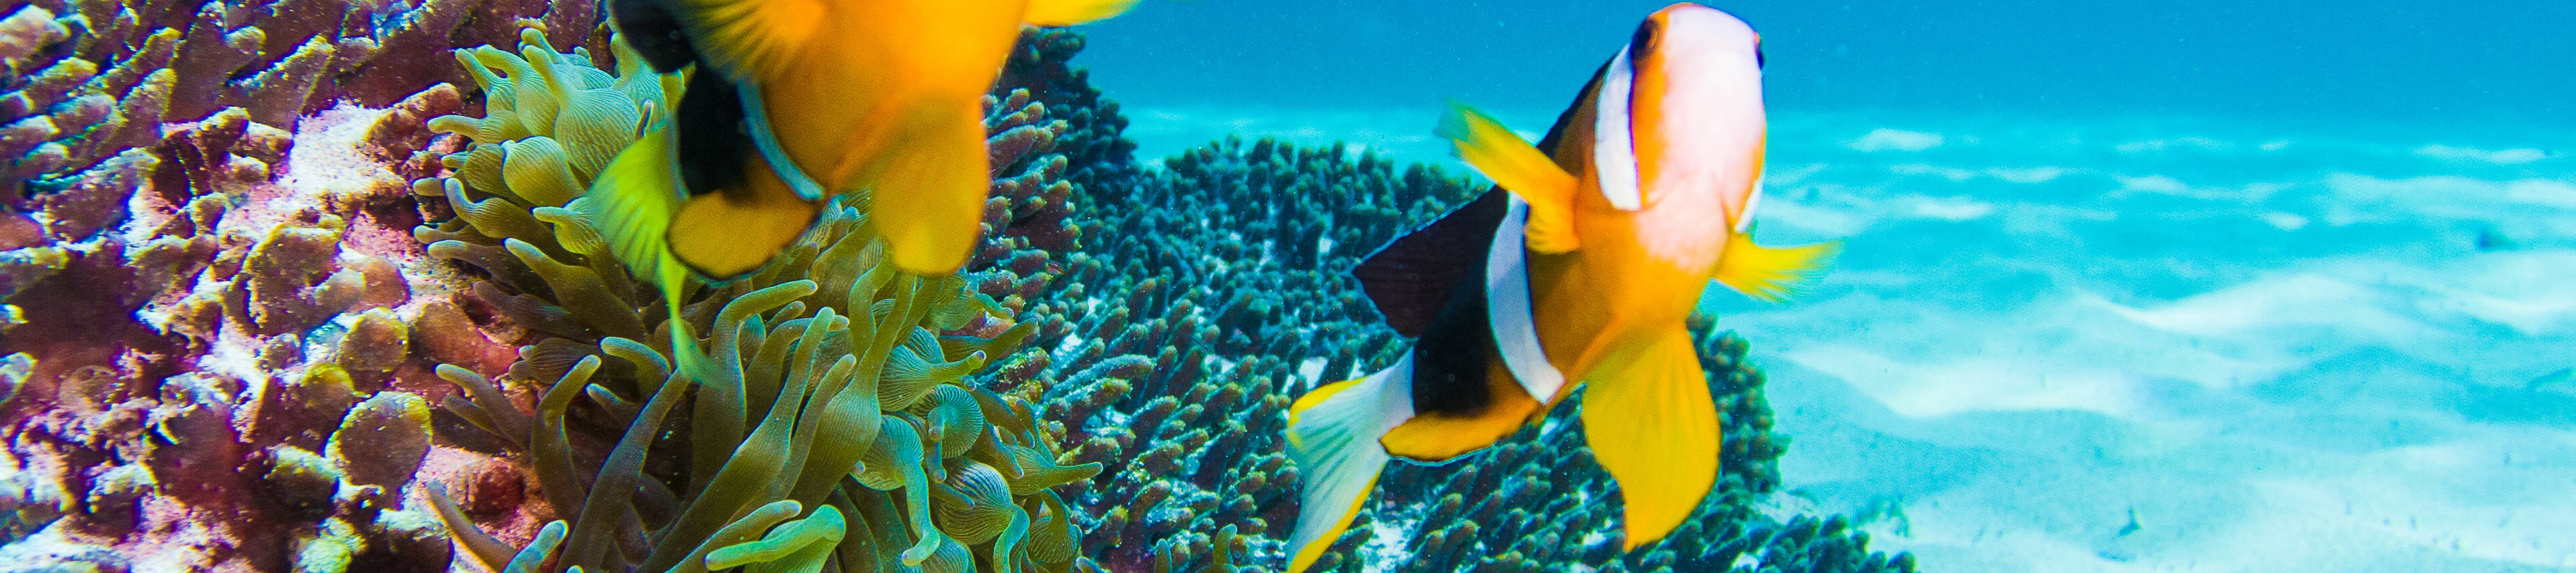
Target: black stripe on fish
column 1430, row 284
column 714, row 142
column 654, row 32
column 1449, row 361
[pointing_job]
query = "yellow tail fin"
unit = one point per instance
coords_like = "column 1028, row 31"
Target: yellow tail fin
column 929, row 192
column 1070, row 12
column 1521, row 169
column 1767, row 273
column 1333, row 438
column 1649, row 419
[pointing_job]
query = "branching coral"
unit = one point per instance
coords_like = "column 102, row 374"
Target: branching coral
column 841, row 384
column 1520, row 506
column 1180, row 339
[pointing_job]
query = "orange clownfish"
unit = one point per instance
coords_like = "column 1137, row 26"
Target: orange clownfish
column 794, row 100
column 1580, row 274
column 788, row 102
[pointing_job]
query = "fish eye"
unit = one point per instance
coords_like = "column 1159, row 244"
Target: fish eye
column 1642, row 42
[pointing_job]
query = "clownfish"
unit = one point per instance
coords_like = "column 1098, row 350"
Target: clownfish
column 789, row 102
column 792, row 101
column 1580, row 271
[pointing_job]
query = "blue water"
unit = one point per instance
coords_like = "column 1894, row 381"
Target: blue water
column 2485, row 61
column 2131, row 286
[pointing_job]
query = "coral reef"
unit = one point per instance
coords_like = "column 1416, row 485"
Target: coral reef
column 1529, row 511
column 1225, row 292
column 1186, row 333
column 91, row 79
column 208, row 336
column 356, row 333
column 213, row 316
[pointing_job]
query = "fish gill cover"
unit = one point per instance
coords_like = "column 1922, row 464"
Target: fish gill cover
column 301, row 285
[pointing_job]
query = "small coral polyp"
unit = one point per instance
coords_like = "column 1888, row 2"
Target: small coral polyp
column 840, row 422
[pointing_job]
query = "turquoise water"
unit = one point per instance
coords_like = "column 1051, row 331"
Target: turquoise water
column 2174, row 286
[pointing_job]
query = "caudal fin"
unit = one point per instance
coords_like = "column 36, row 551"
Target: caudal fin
column 1649, row 419
column 1333, row 437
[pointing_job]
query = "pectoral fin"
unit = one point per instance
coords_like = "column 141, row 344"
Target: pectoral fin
column 632, row 204
column 632, row 200
column 1767, row 273
column 1649, row 419
column 1520, row 168
column 1070, row 12
column 928, row 194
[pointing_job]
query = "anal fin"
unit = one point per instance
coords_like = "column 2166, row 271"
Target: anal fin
column 1434, row 437
column 1650, row 421
column 728, row 233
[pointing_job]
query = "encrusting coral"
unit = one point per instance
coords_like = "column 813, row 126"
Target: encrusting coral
column 207, row 320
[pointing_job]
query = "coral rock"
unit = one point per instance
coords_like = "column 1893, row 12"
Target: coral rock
column 382, row 440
